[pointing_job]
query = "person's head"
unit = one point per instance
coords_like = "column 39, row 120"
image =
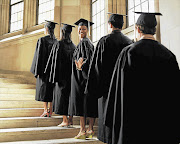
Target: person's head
column 115, row 21
column 66, row 32
column 146, row 24
column 49, row 28
column 142, row 30
column 83, row 27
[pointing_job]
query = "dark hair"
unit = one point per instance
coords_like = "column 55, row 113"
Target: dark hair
column 66, row 36
column 50, row 30
column 147, row 30
column 116, row 25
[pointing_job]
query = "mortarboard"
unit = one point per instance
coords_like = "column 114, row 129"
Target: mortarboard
column 50, row 24
column 116, row 19
column 147, row 19
column 67, row 27
column 85, row 22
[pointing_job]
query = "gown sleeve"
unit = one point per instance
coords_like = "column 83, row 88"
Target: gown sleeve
column 93, row 87
column 88, row 49
column 36, row 64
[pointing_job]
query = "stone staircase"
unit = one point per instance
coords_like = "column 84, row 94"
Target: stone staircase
column 19, row 115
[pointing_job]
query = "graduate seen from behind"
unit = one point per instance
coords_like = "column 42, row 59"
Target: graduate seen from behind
column 60, row 65
column 44, row 89
column 101, row 69
column 143, row 94
column 80, row 105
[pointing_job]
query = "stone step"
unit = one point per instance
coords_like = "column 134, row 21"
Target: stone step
column 21, row 112
column 19, row 86
column 20, row 104
column 17, row 91
column 27, row 76
column 60, row 141
column 24, row 122
column 38, row 133
column 14, row 81
column 16, row 97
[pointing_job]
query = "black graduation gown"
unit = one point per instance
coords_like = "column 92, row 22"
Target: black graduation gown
column 44, row 89
column 80, row 104
column 63, row 77
column 144, row 95
column 101, row 69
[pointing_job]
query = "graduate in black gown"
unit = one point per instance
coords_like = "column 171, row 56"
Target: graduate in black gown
column 144, row 90
column 101, row 69
column 44, row 89
column 80, row 104
column 63, row 75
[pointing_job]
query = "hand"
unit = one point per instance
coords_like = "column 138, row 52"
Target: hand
column 79, row 63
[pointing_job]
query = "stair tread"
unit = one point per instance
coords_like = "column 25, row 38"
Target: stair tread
column 56, row 141
column 22, row 118
column 12, row 130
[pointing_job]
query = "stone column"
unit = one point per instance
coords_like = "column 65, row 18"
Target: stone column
column 156, row 9
column 29, row 17
column 57, row 17
column 4, row 16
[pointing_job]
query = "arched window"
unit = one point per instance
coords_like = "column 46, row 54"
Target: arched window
column 16, row 15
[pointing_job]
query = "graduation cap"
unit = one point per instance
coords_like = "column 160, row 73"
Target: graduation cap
column 147, row 19
column 82, row 22
column 67, row 27
column 50, row 24
column 116, row 19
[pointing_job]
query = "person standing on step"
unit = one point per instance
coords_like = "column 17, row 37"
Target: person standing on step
column 144, row 90
column 44, row 89
column 80, row 105
column 101, row 69
column 60, row 60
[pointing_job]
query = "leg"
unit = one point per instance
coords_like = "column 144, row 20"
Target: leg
column 50, row 109
column 90, row 131
column 65, row 122
column 70, row 121
column 45, row 113
column 82, row 132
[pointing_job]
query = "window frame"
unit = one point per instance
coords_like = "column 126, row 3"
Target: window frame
column 37, row 12
column 10, row 5
column 101, row 24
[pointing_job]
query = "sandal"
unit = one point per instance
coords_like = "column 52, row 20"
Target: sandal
column 45, row 114
column 63, row 125
column 81, row 135
column 90, row 134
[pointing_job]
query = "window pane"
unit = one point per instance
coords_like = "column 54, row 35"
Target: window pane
column 102, row 30
column 94, row 21
column 130, row 4
column 145, row 7
column 137, row 2
column 98, row 6
column 94, row 9
column 102, row 17
column 94, row 35
column 98, row 19
column 15, row 1
column 46, row 10
column 131, row 17
column 98, row 33
column 102, row 4
column 141, row 5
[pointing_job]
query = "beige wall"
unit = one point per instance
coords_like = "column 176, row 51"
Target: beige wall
column 17, row 48
column 170, row 25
